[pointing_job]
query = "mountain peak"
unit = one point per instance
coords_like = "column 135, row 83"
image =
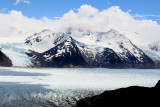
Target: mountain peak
column 110, row 35
column 112, row 30
column 114, row 33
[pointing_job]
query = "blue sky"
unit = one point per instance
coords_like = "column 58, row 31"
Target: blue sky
column 142, row 9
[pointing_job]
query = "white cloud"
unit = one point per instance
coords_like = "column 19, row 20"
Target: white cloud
column 56, row 17
column 129, row 11
column 17, row 1
column 15, row 24
column 24, row 1
column 86, row 17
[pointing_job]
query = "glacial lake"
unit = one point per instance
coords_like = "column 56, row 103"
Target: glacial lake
column 39, row 85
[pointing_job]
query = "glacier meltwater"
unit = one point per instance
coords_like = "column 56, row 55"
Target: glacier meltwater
column 61, row 87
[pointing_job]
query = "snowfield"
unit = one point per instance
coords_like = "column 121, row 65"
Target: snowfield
column 40, row 87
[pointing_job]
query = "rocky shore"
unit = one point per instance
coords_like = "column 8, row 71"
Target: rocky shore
column 131, row 96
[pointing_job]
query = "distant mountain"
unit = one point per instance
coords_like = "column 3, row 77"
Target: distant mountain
column 78, row 48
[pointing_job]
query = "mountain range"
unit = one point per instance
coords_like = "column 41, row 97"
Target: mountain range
column 82, row 48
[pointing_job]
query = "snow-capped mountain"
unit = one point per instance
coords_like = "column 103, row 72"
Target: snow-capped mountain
column 85, row 49
column 43, row 41
column 113, row 40
column 80, row 48
column 64, row 54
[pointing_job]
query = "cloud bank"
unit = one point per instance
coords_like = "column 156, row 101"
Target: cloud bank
column 14, row 25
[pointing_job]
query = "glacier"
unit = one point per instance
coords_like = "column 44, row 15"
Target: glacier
column 63, row 87
column 16, row 52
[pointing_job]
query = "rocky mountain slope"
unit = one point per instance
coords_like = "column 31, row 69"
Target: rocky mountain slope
column 134, row 95
column 4, row 60
column 76, row 48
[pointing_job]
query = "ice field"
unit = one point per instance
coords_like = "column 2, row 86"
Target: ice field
column 64, row 86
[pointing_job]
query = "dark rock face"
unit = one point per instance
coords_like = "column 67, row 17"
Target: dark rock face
column 4, row 60
column 131, row 96
column 108, row 58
